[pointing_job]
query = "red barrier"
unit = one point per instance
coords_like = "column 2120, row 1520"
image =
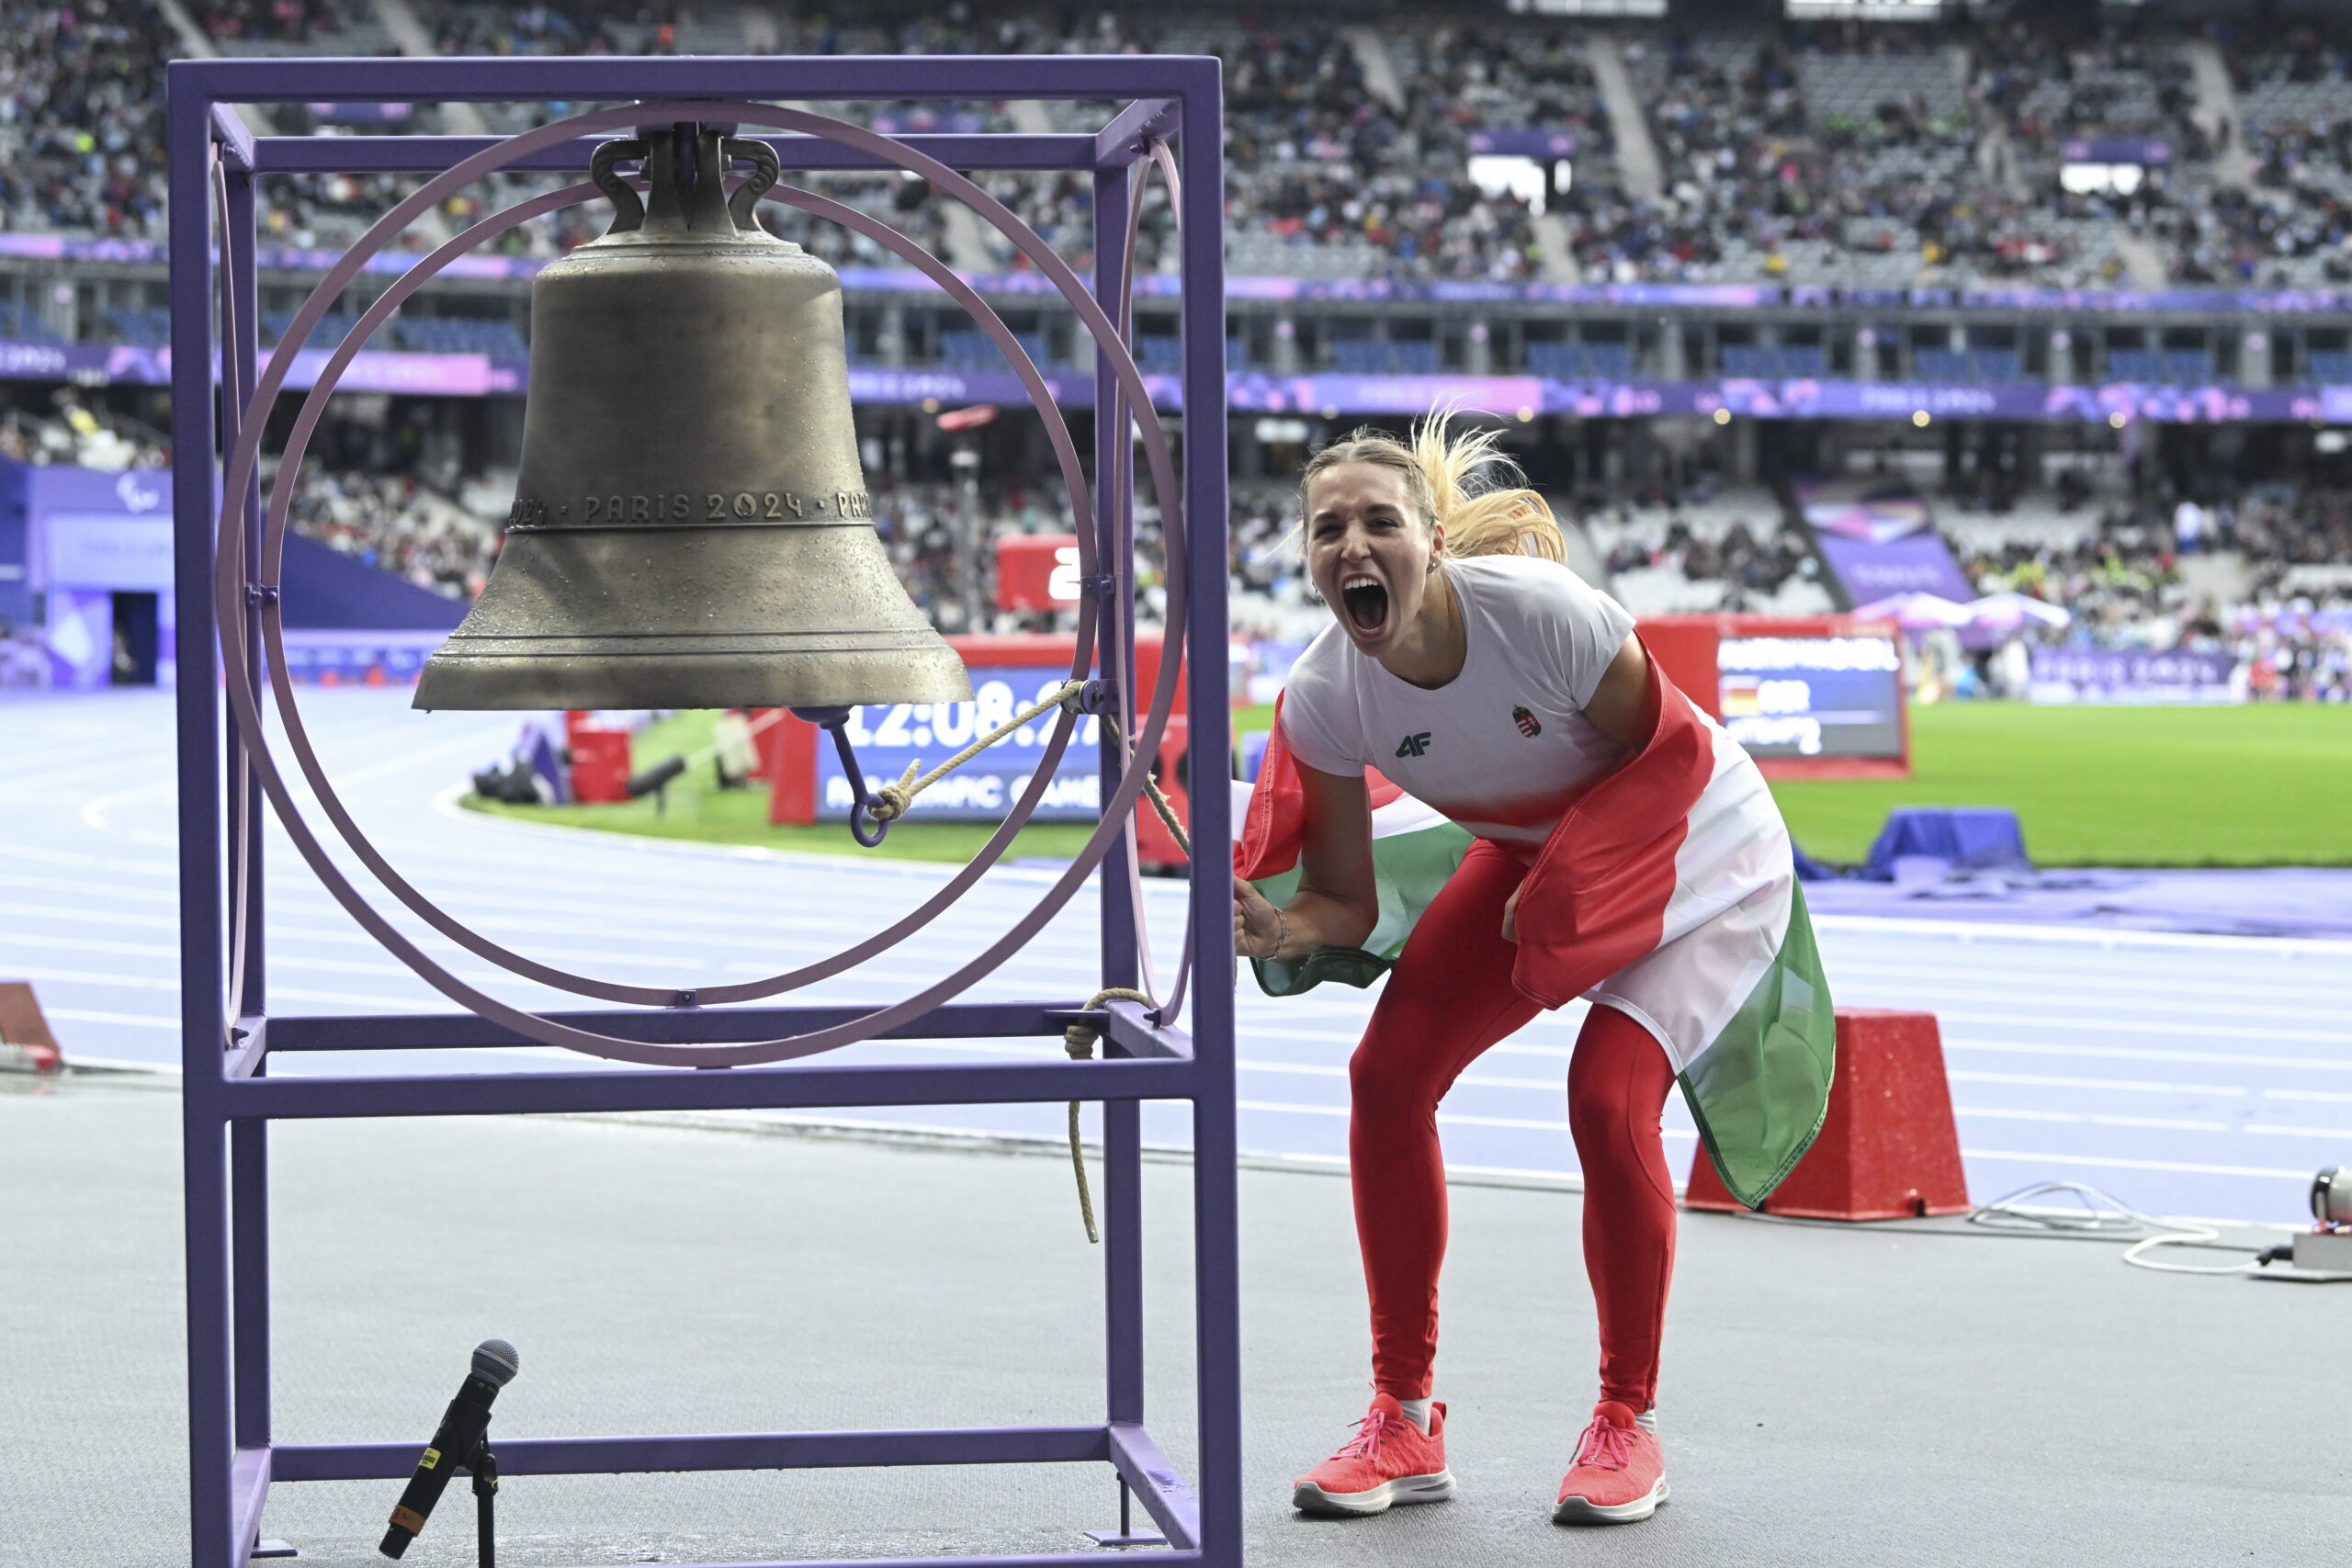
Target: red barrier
column 599, row 766
column 26, row 1044
column 790, row 747
column 1889, row 1148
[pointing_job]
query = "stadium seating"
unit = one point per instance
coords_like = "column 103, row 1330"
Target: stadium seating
column 495, row 336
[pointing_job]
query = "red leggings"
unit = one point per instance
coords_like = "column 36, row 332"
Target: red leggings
column 1448, row 999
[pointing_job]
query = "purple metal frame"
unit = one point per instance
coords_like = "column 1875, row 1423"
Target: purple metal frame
column 229, row 1100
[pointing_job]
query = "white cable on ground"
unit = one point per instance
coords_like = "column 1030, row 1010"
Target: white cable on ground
column 2104, row 1214
column 2096, row 1215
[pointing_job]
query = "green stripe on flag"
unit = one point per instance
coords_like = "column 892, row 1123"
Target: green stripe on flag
column 1760, row 1090
column 1409, row 870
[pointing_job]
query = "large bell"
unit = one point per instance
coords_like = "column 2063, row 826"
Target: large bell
column 691, row 527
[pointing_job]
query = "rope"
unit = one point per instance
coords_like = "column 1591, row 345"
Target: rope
column 892, row 801
column 1159, row 801
column 1078, row 1041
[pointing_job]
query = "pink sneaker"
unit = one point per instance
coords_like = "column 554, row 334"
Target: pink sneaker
column 1388, row 1460
column 1619, row 1475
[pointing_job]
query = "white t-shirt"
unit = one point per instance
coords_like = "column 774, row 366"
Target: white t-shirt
column 1504, row 748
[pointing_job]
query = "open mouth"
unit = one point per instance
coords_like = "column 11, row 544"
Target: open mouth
column 1366, row 603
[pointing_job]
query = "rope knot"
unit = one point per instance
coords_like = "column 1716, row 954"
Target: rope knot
column 1078, row 1039
column 892, row 800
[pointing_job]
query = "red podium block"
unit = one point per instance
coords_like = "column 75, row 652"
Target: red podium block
column 1888, row 1149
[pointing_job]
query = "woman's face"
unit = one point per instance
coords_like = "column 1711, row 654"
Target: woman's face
column 1369, row 551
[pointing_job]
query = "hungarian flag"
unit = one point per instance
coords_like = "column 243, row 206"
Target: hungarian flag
column 1669, row 891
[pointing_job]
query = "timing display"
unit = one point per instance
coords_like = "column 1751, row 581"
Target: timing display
column 1812, row 696
column 888, row 737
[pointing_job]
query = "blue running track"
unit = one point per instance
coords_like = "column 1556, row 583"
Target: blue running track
column 2189, row 1075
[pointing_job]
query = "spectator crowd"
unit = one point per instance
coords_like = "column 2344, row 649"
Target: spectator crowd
column 1839, row 155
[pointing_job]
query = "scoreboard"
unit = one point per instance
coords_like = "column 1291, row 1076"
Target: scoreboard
column 1828, row 696
column 1818, row 697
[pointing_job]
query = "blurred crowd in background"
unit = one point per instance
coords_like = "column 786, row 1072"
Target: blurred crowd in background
column 1843, row 155
column 1819, row 153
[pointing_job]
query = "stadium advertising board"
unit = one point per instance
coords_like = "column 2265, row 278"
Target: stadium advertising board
column 1878, row 538
column 1807, row 696
column 889, row 738
column 1037, row 571
column 1829, row 696
column 2131, row 675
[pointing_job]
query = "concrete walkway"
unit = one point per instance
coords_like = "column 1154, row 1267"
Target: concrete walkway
column 1832, row 1396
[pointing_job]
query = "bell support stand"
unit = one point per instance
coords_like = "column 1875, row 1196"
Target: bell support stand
column 227, row 542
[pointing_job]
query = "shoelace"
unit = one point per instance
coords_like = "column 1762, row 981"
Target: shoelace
column 1370, row 1432
column 1605, row 1446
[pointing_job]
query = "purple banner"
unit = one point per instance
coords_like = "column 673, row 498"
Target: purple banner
column 929, row 119
column 372, row 370
column 2142, row 150
column 2131, row 675
column 1524, row 397
column 1383, row 394
column 1523, row 144
column 1874, row 512
column 1915, row 563
column 362, row 114
column 1687, row 296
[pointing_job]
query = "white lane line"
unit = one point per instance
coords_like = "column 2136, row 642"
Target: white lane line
column 638, row 961
column 1989, row 932
column 32, row 764
column 749, row 920
column 1902, row 959
column 95, row 863
column 2178, row 1000
column 98, row 895
column 2324, row 1096
column 1473, row 1080
column 1445, row 1118
column 2152, row 1053
column 2039, row 1020
column 2131, row 1085
column 94, row 810
column 2276, row 1131
column 2084, row 1118
column 408, row 1004
column 2112, row 1162
column 91, row 1015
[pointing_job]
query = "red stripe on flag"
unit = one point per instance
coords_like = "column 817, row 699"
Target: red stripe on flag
column 1596, row 898
column 1275, row 823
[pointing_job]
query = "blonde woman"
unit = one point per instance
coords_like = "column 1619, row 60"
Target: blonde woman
column 1473, row 670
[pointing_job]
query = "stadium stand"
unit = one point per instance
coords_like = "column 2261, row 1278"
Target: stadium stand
column 1862, row 161
column 393, row 522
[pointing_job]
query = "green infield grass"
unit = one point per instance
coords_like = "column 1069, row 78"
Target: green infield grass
column 696, row 808
column 2267, row 784
column 2257, row 785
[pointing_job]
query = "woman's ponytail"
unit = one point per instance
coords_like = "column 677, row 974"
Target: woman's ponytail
column 1449, row 474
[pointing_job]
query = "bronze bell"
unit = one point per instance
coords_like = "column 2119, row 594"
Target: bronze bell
column 691, row 527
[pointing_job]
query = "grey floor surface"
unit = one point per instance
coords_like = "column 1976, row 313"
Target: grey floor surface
column 1830, row 1397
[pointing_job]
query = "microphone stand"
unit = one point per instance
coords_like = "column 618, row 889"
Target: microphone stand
column 484, row 1466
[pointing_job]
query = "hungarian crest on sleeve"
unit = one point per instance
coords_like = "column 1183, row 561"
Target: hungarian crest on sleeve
column 1528, row 724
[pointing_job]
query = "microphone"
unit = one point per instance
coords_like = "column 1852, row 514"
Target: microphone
column 463, row 1426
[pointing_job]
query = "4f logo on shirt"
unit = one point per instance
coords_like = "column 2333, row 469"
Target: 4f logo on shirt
column 1414, row 745
column 1528, row 725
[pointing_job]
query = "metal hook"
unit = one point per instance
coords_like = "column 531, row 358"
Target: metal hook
column 835, row 721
